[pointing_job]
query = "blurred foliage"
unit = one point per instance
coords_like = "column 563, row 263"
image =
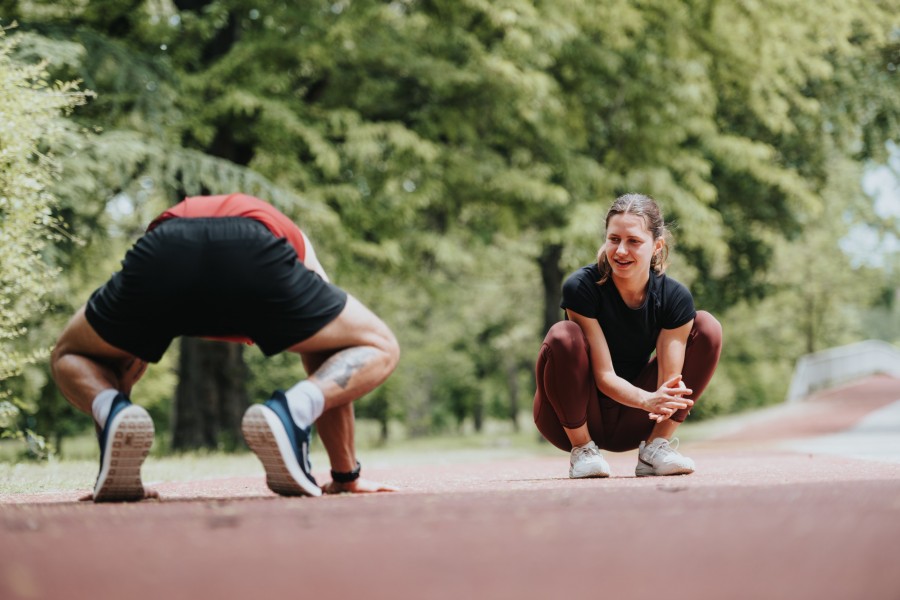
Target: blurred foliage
column 452, row 160
column 31, row 122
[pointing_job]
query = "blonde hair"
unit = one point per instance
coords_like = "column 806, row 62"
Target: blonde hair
column 645, row 207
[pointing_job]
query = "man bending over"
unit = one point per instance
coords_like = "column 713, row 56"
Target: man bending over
column 226, row 267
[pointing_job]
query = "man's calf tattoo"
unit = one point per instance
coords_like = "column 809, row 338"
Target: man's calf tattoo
column 341, row 367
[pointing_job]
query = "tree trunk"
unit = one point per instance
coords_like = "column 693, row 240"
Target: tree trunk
column 211, row 395
column 552, row 277
column 478, row 413
column 383, row 432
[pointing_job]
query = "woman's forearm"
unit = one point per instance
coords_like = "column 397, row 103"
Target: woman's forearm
column 622, row 391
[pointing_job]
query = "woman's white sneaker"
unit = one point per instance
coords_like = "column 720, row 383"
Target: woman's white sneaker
column 586, row 461
column 659, row 457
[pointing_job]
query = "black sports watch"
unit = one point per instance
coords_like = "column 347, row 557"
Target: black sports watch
column 347, row 477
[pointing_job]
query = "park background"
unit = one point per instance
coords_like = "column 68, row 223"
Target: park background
column 452, row 160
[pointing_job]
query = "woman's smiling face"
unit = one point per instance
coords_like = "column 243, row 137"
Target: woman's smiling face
column 630, row 246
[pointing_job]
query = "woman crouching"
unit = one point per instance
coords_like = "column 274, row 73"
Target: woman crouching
column 599, row 384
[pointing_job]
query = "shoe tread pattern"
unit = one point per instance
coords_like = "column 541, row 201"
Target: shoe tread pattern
column 259, row 436
column 127, row 445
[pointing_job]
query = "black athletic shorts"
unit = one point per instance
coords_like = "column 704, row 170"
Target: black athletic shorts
column 211, row 277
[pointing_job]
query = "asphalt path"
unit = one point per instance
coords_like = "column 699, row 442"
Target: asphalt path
column 799, row 501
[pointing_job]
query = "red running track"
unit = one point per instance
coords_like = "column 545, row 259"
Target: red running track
column 755, row 521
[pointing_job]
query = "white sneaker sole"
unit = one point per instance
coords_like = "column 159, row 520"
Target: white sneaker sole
column 643, row 470
column 127, row 445
column 264, row 433
column 595, row 475
column 598, row 473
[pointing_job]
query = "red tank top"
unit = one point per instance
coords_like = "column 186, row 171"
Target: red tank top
column 237, row 205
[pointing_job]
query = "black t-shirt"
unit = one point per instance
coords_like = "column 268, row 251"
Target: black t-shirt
column 630, row 333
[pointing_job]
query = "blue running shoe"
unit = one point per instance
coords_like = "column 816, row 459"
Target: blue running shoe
column 125, row 441
column 282, row 447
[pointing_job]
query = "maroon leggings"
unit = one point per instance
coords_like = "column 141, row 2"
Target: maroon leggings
column 568, row 397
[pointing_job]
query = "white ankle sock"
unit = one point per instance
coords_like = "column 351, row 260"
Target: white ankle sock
column 306, row 402
column 101, row 405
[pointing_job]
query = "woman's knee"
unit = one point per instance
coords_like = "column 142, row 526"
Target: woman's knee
column 707, row 331
column 565, row 339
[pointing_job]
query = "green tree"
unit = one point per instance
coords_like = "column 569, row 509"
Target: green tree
column 813, row 87
column 134, row 166
column 452, row 159
column 32, row 112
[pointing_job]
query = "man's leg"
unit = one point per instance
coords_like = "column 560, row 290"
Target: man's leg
column 347, row 358
column 336, row 429
column 83, row 364
column 96, row 378
column 364, row 352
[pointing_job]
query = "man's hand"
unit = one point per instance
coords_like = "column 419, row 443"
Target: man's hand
column 360, row 486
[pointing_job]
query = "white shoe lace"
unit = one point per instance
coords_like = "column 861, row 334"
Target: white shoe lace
column 664, row 449
column 585, row 452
